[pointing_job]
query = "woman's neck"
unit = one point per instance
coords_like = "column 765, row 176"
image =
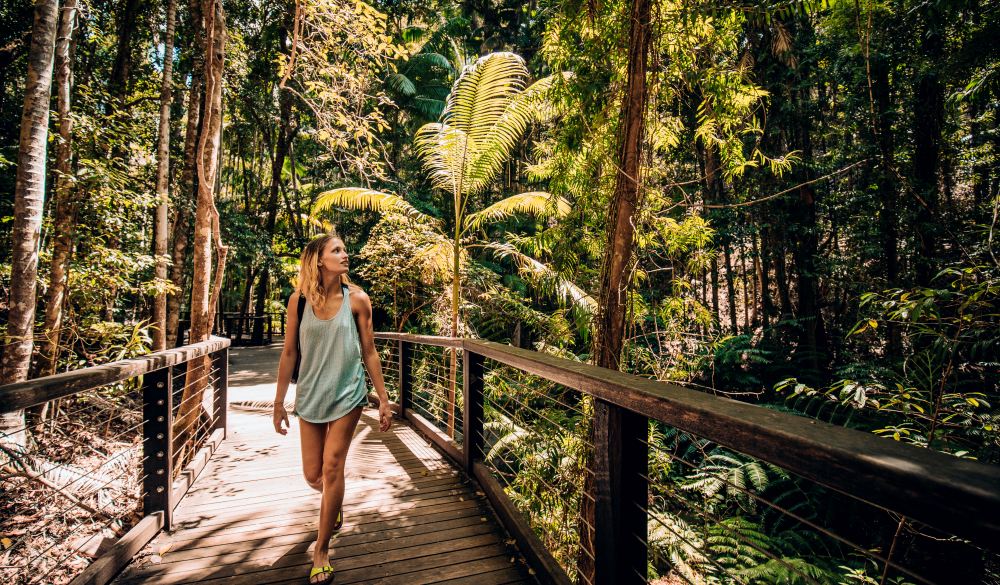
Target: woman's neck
column 335, row 282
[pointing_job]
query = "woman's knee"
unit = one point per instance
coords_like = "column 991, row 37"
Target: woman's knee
column 314, row 477
column 333, row 467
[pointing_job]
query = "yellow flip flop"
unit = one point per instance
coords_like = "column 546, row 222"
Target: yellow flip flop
column 339, row 524
column 324, row 570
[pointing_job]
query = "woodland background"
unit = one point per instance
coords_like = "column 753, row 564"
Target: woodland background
column 815, row 207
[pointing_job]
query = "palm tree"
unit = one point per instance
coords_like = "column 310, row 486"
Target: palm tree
column 488, row 110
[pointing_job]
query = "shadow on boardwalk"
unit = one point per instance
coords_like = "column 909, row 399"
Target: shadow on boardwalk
column 410, row 516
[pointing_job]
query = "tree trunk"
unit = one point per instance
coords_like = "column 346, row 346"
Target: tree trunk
column 928, row 122
column 616, row 267
column 29, row 195
column 64, row 201
column 730, row 287
column 160, row 225
column 188, row 180
column 122, row 67
column 204, row 294
column 285, row 136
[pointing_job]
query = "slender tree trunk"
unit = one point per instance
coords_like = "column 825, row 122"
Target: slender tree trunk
column 64, row 202
column 616, row 267
column 730, row 288
column 205, row 294
column 189, row 179
column 29, row 195
column 747, row 322
column 122, row 67
column 928, row 123
column 160, row 225
column 285, row 136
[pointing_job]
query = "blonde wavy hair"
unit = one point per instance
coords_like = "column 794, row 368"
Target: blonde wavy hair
column 310, row 281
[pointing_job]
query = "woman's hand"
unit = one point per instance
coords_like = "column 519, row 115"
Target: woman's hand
column 280, row 415
column 384, row 416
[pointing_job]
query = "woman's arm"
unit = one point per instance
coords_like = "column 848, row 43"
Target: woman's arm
column 361, row 305
column 289, row 353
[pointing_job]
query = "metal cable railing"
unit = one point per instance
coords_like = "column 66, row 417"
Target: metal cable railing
column 120, row 445
column 603, row 477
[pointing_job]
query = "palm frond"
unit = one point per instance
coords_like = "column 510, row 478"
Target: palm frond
column 401, row 84
column 438, row 258
column 538, row 203
column 361, row 198
column 542, row 275
column 317, row 222
column 442, row 149
column 428, row 107
column 429, row 60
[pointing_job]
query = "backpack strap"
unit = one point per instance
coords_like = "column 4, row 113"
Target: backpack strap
column 298, row 336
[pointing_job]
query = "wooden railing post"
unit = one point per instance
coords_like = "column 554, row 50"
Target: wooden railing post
column 472, row 390
column 157, row 439
column 405, row 380
column 220, row 395
column 621, row 466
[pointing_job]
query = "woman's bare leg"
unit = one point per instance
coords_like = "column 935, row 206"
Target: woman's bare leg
column 313, row 437
column 338, row 440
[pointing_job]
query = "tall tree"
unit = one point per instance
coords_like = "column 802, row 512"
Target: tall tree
column 616, row 269
column 29, row 195
column 205, row 292
column 161, row 222
column 64, row 200
column 189, row 180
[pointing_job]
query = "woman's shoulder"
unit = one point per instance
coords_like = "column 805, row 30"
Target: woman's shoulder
column 358, row 294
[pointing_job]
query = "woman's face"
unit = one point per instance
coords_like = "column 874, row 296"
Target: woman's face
column 334, row 257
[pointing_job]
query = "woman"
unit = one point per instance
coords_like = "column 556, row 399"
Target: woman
column 335, row 338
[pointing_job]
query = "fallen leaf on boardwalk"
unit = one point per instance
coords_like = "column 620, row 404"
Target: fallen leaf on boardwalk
column 509, row 542
column 482, row 519
column 164, row 548
column 461, row 498
column 531, row 571
column 6, row 542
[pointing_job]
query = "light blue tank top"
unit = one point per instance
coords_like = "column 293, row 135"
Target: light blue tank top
column 331, row 374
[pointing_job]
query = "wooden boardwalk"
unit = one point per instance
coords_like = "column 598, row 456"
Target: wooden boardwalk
column 410, row 516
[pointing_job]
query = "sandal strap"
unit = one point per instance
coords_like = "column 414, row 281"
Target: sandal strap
column 320, row 571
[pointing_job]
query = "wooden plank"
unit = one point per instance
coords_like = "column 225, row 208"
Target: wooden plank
column 192, row 538
column 946, row 492
column 41, row 390
column 296, row 532
column 270, row 513
column 111, row 563
column 185, row 479
column 283, row 501
column 419, row 339
column 548, row 569
column 369, row 566
column 440, row 439
column 505, row 573
column 274, row 548
column 475, row 571
column 296, row 487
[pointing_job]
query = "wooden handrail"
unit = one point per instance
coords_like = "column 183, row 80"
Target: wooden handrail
column 946, row 492
column 41, row 390
column 960, row 495
column 162, row 489
column 420, row 339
